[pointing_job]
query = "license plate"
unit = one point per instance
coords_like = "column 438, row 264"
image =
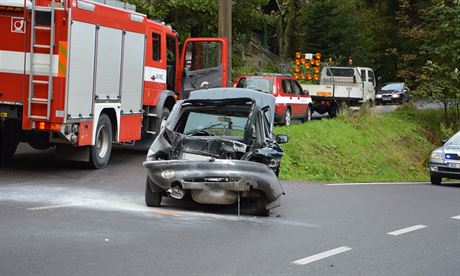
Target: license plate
column 453, row 165
column 387, row 99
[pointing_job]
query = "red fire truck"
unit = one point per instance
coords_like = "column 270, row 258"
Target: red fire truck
column 78, row 75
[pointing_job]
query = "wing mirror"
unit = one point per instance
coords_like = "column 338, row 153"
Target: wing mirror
column 282, row 138
column 443, row 142
column 306, row 92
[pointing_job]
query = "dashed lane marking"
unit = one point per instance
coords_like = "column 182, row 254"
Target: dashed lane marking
column 407, row 230
column 456, row 217
column 322, row 255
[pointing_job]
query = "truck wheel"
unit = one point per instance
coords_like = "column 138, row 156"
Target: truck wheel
column 153, row 196
column 287, row 117
column 334, row 110
column 99, row 154
column 308, row 114
column 261, row 206
column 7, row 151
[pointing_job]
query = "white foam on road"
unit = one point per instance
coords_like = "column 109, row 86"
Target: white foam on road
column 377, row 183
column 322, row 255
column 456, row 217
column 47, row 198
column 407, row 230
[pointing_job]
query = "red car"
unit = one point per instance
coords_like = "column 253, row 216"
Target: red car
column 292, row 102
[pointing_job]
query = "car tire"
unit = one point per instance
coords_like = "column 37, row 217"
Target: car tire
column 435, row 179
column 153, row 196
column 261, row 206
column 99, row 154
column 287, row 117
column 308, row 114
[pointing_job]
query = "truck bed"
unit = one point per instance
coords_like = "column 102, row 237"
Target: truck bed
column 352, row 91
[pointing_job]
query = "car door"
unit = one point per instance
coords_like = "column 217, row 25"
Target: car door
column 303, row 99
column 204, row 63
column 288, row 96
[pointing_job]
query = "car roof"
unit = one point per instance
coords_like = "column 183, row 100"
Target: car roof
column 267, row 76
column 261, row 99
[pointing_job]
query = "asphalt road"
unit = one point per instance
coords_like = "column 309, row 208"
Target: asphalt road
column 58, row 218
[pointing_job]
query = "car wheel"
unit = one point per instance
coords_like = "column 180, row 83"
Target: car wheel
column 308, row 115
column 435, row 179
column 99, row 154
column 287, row 117
column 261, row 206
column 153, row 196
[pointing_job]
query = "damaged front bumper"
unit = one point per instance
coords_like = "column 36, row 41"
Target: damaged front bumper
column 215, row 174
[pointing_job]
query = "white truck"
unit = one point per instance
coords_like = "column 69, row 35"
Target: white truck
column 352, row 86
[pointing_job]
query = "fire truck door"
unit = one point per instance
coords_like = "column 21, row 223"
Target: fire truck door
column 204, row 64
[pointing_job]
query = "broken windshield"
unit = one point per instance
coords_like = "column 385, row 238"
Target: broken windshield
column 211, row 122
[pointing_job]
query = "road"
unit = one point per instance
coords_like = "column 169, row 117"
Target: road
column 58, row 218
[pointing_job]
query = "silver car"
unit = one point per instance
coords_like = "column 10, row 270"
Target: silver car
column 217, row 146
column 445, row 161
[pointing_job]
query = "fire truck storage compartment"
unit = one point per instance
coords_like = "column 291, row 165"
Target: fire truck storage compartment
column 81, row 70
column 108, row 63
column 132, row 73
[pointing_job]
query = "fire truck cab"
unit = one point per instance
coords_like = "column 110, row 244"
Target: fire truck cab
column 78, row 75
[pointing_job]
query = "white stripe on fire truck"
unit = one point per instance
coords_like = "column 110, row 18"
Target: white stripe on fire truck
column 153, row 74
column 292, row 100
column 13, row 62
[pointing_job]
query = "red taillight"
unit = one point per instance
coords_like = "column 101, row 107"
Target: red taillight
column 48, row 126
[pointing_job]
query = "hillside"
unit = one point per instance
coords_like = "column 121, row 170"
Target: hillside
column 361, row 147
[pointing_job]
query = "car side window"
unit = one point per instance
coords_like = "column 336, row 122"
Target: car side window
column 286, row 84
column 297, row 88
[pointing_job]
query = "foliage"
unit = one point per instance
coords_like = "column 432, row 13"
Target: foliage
column 440, row 76
column 362, row 147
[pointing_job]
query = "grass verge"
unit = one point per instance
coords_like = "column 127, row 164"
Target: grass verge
column 362, row 147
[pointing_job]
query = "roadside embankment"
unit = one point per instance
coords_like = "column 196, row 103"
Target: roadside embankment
column 362, row 147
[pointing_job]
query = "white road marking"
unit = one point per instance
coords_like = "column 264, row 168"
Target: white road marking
column 49, row 207
column 407, row 230
column 377, row 183
column 320, row 256
column 456, row 217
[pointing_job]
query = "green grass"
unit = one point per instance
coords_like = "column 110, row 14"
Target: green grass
column 362, row 147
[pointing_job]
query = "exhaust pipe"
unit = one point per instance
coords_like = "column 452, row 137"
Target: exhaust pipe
column 176, row 192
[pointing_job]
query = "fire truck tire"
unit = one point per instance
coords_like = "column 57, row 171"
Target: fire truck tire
column 99, row 154
column 7, row 151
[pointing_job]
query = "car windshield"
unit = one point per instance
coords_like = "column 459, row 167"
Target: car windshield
column 216, row 123
column 455, row 140
column 392, row 86
column 259, row 84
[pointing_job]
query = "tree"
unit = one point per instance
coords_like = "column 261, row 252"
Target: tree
column 440, row 51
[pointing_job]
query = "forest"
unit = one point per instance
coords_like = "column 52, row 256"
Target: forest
column 415, row 41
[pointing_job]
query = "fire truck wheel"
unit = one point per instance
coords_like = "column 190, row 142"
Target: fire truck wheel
column 153, row 196
column 99, row 154
column 7, row 151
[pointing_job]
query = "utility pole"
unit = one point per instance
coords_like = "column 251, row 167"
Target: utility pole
column 225, row 30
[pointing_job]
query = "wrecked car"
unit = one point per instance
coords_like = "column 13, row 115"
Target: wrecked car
column 218, row 147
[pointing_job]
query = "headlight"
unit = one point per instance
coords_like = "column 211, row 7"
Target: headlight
column 378, row 96
column 437, row 156
column 395, row 96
